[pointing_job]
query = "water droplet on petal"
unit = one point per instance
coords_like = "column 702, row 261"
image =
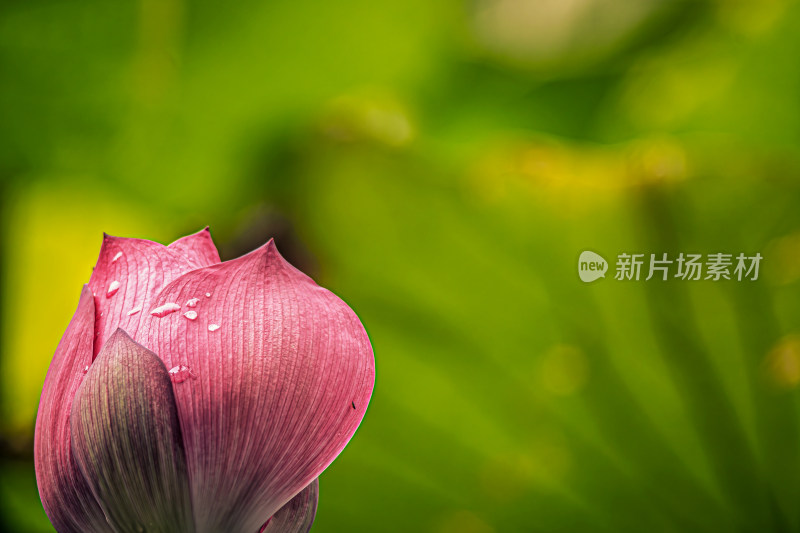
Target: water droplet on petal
column 86, row 369
column 116, row 257
column 113, row 287
column 181, row 373
column 134, row 310
column 164, row 310
column 191, row 315
column 192, row 302
column 208, row 295
column 213, row 327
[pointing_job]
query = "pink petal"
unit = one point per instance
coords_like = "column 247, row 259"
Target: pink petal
column 280, row 387
column 66, row 497
column 297, row 516
column 143, row 269
column 126, row 439
column 198, row 248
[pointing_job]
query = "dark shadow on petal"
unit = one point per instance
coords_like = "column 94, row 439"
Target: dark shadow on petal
column 126, row 439
column 297, row 516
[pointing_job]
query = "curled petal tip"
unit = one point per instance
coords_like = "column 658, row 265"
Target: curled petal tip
column 86, row 291
column 198, row 248
column 269, row 251
column 272, row 252
column 118, row 335
column 274, row 259
column 112, row 238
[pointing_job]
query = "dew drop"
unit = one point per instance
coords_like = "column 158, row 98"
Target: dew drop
column 86, row 369
column 134, row 310
column 116, row 257
column 192, row 302
column 113, row 287
column 208, row 295
column 213, row 327
column 191, row 315
column 164, row 310
column 180, row 373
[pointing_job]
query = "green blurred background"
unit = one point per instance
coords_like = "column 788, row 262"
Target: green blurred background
column 440, row 165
